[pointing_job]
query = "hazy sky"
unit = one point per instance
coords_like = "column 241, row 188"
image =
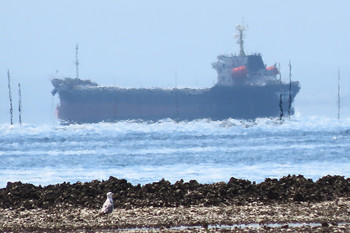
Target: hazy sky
column 148, row 43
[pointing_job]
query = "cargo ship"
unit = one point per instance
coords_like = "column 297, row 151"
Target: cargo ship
column 246, row 89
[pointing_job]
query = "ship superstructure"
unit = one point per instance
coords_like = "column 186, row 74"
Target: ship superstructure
column 242, row 69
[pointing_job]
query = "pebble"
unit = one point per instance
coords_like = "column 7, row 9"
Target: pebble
column 73, row 207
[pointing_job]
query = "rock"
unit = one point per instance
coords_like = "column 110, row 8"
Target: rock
column 164, row 194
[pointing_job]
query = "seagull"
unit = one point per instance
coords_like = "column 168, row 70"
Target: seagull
column 108, row 206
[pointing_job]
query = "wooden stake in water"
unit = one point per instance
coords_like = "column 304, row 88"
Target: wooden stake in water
column 19, row 104
column 10, row 96
column 338, row 95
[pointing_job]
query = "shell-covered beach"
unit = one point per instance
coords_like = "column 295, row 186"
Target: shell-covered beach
column 291, row 203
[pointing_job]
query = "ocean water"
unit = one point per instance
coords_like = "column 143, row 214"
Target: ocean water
column 143, row 152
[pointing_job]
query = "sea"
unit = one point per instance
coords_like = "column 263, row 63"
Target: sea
column 203, row 150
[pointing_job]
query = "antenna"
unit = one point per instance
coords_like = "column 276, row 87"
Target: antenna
column 290, row 88
column 240, row 28
column 10, row 96
column 76, row 60
column 19, row 104
column 338, row 95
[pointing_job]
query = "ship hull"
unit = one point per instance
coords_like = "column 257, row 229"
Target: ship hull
column 97, row 104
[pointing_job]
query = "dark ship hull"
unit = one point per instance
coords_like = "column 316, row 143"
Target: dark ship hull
column 91, row 103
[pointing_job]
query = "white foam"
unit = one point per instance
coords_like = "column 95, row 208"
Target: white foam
column 205, row 150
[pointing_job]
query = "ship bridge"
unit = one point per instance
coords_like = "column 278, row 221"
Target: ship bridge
column 243, row 69
column 234, row 70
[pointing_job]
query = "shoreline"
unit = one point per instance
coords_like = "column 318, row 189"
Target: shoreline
column 329, row 216
column 291, row 202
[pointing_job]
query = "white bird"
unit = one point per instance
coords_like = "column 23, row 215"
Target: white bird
column 108, row 206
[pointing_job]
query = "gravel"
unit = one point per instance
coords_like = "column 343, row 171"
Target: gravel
column 292, row 203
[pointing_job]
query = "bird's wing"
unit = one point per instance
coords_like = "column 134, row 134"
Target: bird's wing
column 107, row 207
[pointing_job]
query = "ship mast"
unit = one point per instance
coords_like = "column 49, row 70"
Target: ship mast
column 240, row 28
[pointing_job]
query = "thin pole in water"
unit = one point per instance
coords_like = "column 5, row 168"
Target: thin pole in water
column 10, row 96
column 76, row 60
column 176, row 99
column 338, row 94
column 290, row 89
column 19, row 104
column 280, row 104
